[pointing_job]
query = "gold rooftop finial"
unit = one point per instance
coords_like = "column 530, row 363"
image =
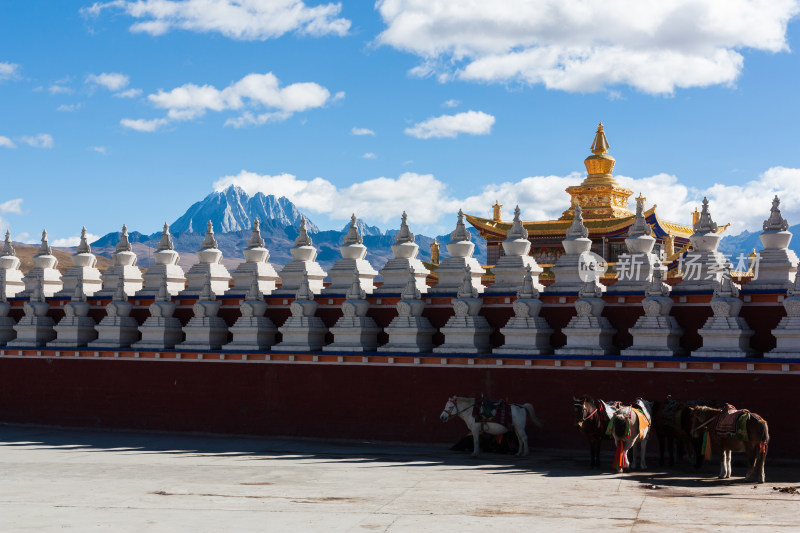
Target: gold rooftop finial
column 497, row 214
column 600, row 144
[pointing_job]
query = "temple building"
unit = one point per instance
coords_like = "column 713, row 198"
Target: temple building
column 606, row 215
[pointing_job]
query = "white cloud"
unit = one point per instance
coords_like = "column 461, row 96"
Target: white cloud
column 12, row 206
column 8, row 71
column 246, row 20
column 451, row 103
column 381, row 200
column 75, row 240
column 113, row 81
column 581, row 46
column 362, row 131
column 369, row 155
column 130, row 93
column 99, row 149
column 57, row 88
column 42, row 140
column 191, row 101
column 5, row 142
column 69, row 107
column 471, row 122
column 141, row 124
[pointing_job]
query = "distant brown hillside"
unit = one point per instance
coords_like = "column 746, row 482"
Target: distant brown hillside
column 26, row 253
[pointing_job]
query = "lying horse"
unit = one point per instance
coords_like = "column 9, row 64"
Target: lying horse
column 463, row 408
column 734, row 431
column 592, row 418
column 630, row 427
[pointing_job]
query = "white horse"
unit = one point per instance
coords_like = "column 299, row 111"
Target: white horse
column 462, row 407
column 628, row 433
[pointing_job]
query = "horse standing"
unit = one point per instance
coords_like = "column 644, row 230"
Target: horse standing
column 734, row 434
column 463, row 408
column 630, row 427
column 672, row 423
column 591, row 417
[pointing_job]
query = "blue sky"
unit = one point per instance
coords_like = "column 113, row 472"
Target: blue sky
column 122, row 112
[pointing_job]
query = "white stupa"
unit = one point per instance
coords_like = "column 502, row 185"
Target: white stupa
column 452, row 269
column 577, row 266
column 466, row 331
column 210, row 266
column 161, row 330
column 76, row 328
column 35, row 328
column 44, row 270
column 83, row 271
column 787, row 333
column 166, row 263
column 256, row 263
column 252, row 331
column 512, row 267
column 117, row 329
column 302, row 266
column 395, row 272
column 777, row 264
column 526, row 333
column 725, row 333
column 589, row 332
column 124, row 268
column 656, row 333
column 7, row 323
column 353, row 254
column 354, row 331
column 205, row 330
column 10, row 274
column 303, row 331
column 635, row 269
column 703, row 265
column 409, row 331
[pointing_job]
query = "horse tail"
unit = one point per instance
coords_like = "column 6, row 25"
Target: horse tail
column 764, row 437
column 529, row 409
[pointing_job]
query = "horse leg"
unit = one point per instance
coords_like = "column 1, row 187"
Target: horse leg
column 761, row 458
column 752, row 460
column 522, row 437
column 643, row 454
column 476, row 442
column 725, row 471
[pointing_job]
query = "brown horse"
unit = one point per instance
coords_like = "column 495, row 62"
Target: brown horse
column 591, row 418
column 750, row 436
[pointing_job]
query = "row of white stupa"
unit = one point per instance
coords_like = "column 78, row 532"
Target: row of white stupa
column 777, row 264
column 588, row 333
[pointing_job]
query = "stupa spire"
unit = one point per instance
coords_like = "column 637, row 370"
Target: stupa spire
column 467, row 290
column 304, row 292
column 460, row 233
column 209, row 242
column 303, row 238
column 704, row 223
column 355, row 292
column 528, row 291
column 517, row 230
column 44, row 249
column 206, row 294
column 410, row 292
column 600, row 144
column 124, row 244
column 166, row 239
column 8, row 249
column 640, row 225
column 353, row 236
column 776, row 222
column 577, row 229
column 83, row 247
column 256, row 241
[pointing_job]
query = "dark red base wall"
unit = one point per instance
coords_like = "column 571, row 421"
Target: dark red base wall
column 395, row 403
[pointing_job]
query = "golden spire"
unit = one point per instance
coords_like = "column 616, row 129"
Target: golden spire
column 600, row 164
column 497, row 213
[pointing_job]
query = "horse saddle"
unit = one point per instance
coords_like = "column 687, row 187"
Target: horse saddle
column 639, row 404
column 609, row 408
column 486, row 410
column 731, row 422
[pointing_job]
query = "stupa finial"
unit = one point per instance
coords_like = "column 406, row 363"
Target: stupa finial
column 206, row 294
column 404, row 235
column 37, row 295
column 83, row 247
column 254, row 293
column 78, row 295
column 460, row 233
column 726, row 288
column 640, row 226
column 119, row 294
column 657, row 287
column 44, row 249
column 209, row 242
column 600, row 144
column 163, row 294
column 577, row 229
column 353, row 236
column 467, row 289
column 517, row 230
column 776, row 222
column 527, row 291
column 704, row 223
column 355, row 292
column 304, row 290
column 166, row 239
column 410, row 291
column 303, row 238
column 8, row 249
column 256, row 241
column 124, row 244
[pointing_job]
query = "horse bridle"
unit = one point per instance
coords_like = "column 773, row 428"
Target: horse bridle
column 583, row 410
column 454, row 400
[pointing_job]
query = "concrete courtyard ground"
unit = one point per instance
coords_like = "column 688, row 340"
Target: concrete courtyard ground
column 81, row 480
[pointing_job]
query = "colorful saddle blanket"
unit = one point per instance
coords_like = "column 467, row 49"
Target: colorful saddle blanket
column 498, row 412
column 732, row 423
column 630, row 412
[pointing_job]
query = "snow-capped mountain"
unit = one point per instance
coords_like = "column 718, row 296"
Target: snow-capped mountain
column 233, row 209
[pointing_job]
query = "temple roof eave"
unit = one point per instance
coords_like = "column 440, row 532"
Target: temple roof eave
column 597, row 227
